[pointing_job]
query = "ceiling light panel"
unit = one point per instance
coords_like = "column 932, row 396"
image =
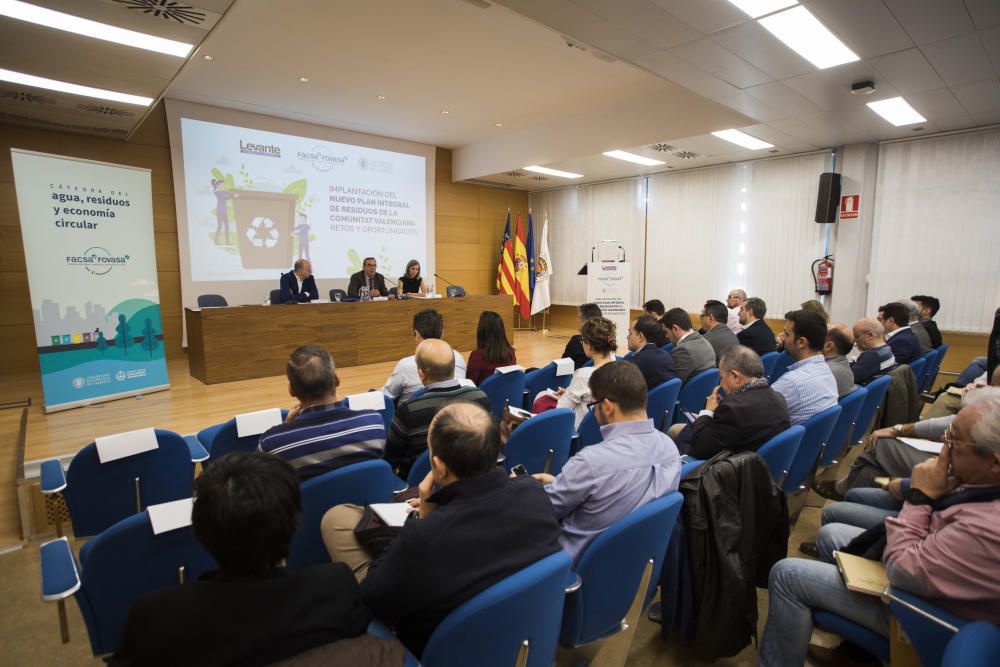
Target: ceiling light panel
column 755, row 8
column 72, row 88
column 632, row 157
column 552, row 172
column 49, row 18
column 803, row 33
column 742, row 139
column 897, row 111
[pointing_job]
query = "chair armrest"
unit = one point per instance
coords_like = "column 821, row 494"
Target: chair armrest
column 380, row 629
column 197, row 450
column 690, row 465
column 399, row 485
column 925, row 609
column 52, row 476
column 573, row 582
column 60, row 577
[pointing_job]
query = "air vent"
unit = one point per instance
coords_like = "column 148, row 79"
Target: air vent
column 171, row 10
column 514, row 174
column 31, row 98
column 539, row 178
column 686, row 155
column 107, row 111
column 663, row 148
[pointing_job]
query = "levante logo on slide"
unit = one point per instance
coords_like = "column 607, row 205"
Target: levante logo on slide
column 267, row 150
column 97, row 260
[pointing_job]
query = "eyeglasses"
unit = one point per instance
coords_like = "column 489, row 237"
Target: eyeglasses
column 949, row 439
column 592, row 404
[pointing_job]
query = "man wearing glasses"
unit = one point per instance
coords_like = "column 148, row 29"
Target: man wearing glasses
column 734, row 303
column 633, row 465
column 876, row 356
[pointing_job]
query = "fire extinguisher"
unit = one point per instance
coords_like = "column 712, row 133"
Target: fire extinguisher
column 822, row 270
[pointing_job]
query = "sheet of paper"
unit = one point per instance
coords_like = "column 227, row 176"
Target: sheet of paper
column 170, row 516
column 255, row 423
column 466, row 382
column 369, row 400
column 564, row 366
column 922, row 445
column 394, row 514
column 548, row 392
column 130, row 443
column 520, row 413
column 509, row 369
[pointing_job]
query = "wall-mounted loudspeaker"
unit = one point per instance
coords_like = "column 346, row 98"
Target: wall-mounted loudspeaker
column 828, row 197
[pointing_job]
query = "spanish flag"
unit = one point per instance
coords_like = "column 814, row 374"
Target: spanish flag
column 522, row 284
column 505, row 269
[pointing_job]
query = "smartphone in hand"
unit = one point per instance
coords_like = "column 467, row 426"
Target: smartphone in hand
column 519, row 470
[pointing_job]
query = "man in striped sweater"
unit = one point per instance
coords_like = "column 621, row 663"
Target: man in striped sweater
column 319, row 435
column 408, row 432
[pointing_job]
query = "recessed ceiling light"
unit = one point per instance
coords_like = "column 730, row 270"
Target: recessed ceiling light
column 444, row 112
column 552, row 172
column 49, row 18
column 742, row 139
column 73, row 89
column 303, row 79
column 208, row 57
column 499, row 124
column 803, row 33
column 897, row 111
column 756, row 8
column 632, row 157
column 380, row 98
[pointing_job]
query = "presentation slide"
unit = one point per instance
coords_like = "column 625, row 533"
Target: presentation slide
column 258, row 200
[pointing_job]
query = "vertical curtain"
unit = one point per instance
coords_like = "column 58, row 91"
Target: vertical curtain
column 936, row 227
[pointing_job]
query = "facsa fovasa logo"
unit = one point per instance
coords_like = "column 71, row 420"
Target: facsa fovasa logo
column 322, row 158
column 97, row 260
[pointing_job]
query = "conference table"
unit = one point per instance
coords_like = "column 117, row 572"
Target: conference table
column 246, row 342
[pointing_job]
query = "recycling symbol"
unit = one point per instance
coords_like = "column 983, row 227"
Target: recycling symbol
column 262, row 233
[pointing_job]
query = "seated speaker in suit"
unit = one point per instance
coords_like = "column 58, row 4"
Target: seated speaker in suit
column 692, row 354
column 368, row 276
column 656, row 365
column 895, row 317
column 298, row 285
column 713, row 328
column 756, row 334
column 750, row 414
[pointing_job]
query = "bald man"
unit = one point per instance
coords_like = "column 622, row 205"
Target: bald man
column 298, row 285
column 408, row 434
column 876, row 356
column 734, row 302
column 839, row 341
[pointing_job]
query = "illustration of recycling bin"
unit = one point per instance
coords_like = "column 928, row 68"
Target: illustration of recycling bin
column 264, row 222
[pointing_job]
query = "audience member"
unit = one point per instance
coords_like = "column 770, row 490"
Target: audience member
column 942, row 546
column 656, row 365
column 839, row 342
column 974, row 371
column 473, row 527
column 808, row 385
column 885, row 455
column 917, row 327
column 654, row 308
column 748, row 415
column 876, row 356
column 895, row 318
column 492, row 348
column 734, row 304
column 599, row 343
column 948, row 403
column 404, row 380
column 714, row 329
column 407, row 440
column 755, row 333
column 574, row 348
column 816, row 307
column 929, row 307
column 634, row 464
column 251, row 611
column 319, row 434
column 692, row 354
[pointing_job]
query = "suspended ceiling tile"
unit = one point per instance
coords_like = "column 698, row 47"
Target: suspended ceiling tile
column 981, row 99
column 941, row 107
column 929, row 21
column 762, row 50
column 991, row 42
column 716, row 60
column 779, row 95
column 960, row 59
column 985, row 13
column 705, row 16
column 866, row 26
column 644, row 19
column 683, row 73
column 908, row 71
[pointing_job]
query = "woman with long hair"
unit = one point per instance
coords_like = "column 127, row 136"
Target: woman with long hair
column 492, row 348
column 410, row 282
column 598, row 337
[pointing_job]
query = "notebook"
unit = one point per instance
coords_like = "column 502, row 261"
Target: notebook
column 862, row 575
column 393, row 514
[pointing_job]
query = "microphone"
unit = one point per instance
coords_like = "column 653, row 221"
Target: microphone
column 445, row 281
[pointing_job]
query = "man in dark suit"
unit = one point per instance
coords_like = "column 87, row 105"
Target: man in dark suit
column 713, row 328
column 750, row 414
column 369, row 277
column 756, row 334
column 574, row 348
column 895, row 317
column 692, row 354
column 251, row 611
column 656, row 365
column 298, row 285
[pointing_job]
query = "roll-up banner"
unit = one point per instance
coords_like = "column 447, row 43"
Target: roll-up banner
column 609, row 285
column 88, row 242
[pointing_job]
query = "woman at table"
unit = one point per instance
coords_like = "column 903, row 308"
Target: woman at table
column 598, row 337
column 492, row 349
column 411, row 282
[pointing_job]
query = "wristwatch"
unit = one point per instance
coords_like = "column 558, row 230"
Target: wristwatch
column 898, row 428
column 918, row 497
